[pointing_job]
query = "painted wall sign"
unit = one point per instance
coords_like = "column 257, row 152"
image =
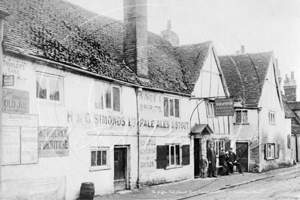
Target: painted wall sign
column 13, row 66
column 147, row 154
column 15, row 101
column 53, row 141
column 8, row 80
column 29, row 145
column 11, row 145
column 20, row 120
column 224, row 107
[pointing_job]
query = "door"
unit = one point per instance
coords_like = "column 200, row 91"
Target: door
column 120, row 168
column 197, row 155
column 242, row 155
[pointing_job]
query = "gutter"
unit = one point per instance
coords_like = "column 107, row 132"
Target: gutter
column 97, row 75
column 137, row 90
column 258, row 138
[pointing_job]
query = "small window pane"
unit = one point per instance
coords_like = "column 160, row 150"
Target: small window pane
column 108, row 97
column 93, row 158
column 238, row 116
column 171, row 107
column 166, row 107
column 104, row 157
column 172, row 155
column 41, row 87
column 177, row 155
column 116, row 99
column 176, row 107
column 54, row 89
column 98, row 158
column 99, row 97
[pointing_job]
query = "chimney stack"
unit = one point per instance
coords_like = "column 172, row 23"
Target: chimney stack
column 290, row 88
column 242, row 49
column 136, row 37
column 169, row 35
column 237, row 52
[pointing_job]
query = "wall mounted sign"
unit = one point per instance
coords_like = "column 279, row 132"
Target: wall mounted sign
column 11, row 145
column 224, row 107
column 15, row 101
column 29, row 145
column 147, row 154
column 8, row 80
column 53, row 141
column 20, row 120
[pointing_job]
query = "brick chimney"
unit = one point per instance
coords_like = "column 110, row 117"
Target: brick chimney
column 242, row 49
column 169, row 35
column 136, row 37
column 290, row 88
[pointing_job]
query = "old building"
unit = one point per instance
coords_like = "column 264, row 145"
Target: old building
column 85, row 101
column 260, row 128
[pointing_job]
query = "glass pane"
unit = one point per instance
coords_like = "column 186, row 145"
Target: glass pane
column 238, row 117
column 245, row 116
column 171, row 107
column 104, row 157
column 93, row 158
column 166, row 107
column 54, row 89
column 272, row 151
column 172, row 155
column 99, row 96
column 116, row 99
column 177, row 155
column 98, row 158
column 108, row 96
column 41, row 87
column 176, row 107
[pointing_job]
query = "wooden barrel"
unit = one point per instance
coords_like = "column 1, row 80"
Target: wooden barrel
column 87, row 191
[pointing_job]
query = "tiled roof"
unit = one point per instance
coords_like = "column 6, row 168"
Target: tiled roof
column 294, row 105
column 60, row 31
column 192, row 58
column 245, row 75
column 287, row 110
column 295, row 130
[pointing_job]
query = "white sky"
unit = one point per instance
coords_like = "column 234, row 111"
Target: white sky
column 259, row 25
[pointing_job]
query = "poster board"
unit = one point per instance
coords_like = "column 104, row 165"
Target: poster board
column 29, row 145
column 11, row 146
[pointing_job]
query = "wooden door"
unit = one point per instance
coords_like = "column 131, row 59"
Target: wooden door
column 197, row 156
column 120, row 159
column 242, row 155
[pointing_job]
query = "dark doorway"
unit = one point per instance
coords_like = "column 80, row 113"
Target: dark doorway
column 197, row 156
column 120, row 168
column 242, row 155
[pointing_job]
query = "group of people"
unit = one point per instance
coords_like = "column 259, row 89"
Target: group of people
column 227, row 160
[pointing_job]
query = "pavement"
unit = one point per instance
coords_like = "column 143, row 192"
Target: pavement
column 193, row 187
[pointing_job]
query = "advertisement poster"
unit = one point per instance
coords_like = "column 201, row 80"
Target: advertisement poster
column 15, row 101
column 11, row 145
column 29, row 145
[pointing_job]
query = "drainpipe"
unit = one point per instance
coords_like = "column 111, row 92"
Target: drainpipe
column 137, row 90
column 258, row 138
column 3, row 14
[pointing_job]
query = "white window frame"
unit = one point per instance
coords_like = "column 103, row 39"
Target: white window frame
column 243, row 121
column 100, row 87
column 210, row 109
column 61, row 92
column 272, row 117
column 100, row 167
column 169, row 106
column 170, row 165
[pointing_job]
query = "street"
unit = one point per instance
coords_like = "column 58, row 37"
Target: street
column 284, row 185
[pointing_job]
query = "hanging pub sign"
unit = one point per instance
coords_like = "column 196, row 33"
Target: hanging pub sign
column 224, row 107
column 15, row 101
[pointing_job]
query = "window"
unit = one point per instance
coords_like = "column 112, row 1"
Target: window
column 210, row 109
column 241, row 116
column 172, row 155
column 272, row 117
column 49, row 88
column 171, row 107
column 270, row 151
column 108, row 97
column 99, row 157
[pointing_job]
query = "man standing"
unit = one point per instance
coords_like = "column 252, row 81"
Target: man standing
column 232, row 161
column 211, row 157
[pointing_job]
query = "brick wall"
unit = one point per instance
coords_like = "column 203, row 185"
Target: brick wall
column 136, row 36
column 290, row 93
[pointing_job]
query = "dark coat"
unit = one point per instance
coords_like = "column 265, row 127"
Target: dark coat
column 222, row 159
column 211, row 157
column 231, row 157
column 203, row 163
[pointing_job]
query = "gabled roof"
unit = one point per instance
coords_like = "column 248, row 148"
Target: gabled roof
column 60, row 31
column 245, row 75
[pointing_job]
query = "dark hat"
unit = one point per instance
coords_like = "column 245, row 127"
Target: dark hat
column 230, row 148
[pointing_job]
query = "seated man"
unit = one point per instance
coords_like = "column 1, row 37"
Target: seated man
column 223, row 162
column 231, row 160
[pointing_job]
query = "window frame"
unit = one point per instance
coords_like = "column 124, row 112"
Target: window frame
column 270, row 155
column 100, row 167
column 272, row 117
column 210, row 109
column 169, row 100
column 169, row 158
column 103, row 86
column 47, row 76
column 243, row 121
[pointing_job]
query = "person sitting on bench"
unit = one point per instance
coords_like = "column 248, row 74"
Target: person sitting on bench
column 232, row 161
